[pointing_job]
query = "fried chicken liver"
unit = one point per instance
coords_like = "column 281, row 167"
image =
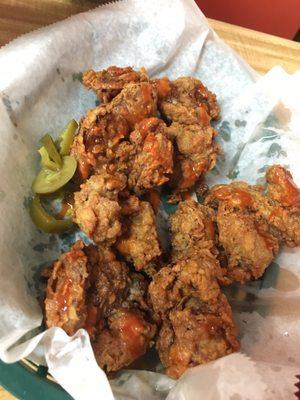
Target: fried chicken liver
column 89, row 288
column 196, row 320
column 139, row 242
column 106, row 125
column 96, row 207
column 189, row 106
column 252, row 224
column 109, row 82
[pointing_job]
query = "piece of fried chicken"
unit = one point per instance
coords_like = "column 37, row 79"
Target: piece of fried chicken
column 124, row 338
column 252, row 224
column 279, row 206
column 196, row 153
column 244, row 238
column 195, row 317
column 106, row 125
column 96, row 206
column 109, row 82
column 185, row 99
column 65, row 303
column 147, row 158
column 193, row 228
column 89, row 288
column 139, row 243
column 189, row 106
column 284, row 197
column 248, row 244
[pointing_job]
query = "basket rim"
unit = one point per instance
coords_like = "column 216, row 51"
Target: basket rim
column 25, row 383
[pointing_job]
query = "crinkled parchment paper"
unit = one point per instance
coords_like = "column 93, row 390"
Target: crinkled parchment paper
column 40, row 92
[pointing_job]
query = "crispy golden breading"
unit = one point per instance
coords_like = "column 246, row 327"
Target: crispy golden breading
column 196, row 334
column 139, row 242
column 96, row 207
column 147, row 157
column 192, row 229
column 196, row 153
column 284, row 217
column 247, row 242
column 65, row 303
column 175, row 282
column 197, row 325
column 152, row 163
column 126, row 336
column 89, row 288
column 186, row 100
column 281, row 187
column 100, row 132
column 244, row 241
column 279, row 207
column 189, row 106
column 109, row 82
column 109, row 280
column 106, row 125
column 252, row 224
column 136, row 102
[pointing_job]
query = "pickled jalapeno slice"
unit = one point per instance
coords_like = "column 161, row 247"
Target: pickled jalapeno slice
column 51, row 149
column 46, row 222
column 46, row 162
column 67, row 137
column 48, row 180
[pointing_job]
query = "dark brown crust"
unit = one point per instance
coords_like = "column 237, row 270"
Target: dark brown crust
column 109, row 82
column 89, row 288
column 193, row 227
column 96, row 207
column 105, row 126
column 65, row 303
column 189, row 106
column 139, row 242
column 253, row 224
column 196, row 320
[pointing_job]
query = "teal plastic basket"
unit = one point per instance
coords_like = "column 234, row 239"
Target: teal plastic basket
column 27, row 381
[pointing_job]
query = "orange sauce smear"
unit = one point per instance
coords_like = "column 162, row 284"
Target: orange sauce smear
column 270, row 243
column 163, row 87
column 63, row 296
column 147, row 93
column 235, row 196
column 204, row 117
column 191, row 172
column 290, row 193
column 131, row 330
column 144, row 127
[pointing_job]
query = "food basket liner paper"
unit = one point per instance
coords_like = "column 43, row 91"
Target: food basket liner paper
column 41, row 91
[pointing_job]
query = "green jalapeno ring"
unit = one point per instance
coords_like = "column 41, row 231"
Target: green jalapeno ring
column 49, row 181
column 67, row 137
column 45, row 222
column 51, row 149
